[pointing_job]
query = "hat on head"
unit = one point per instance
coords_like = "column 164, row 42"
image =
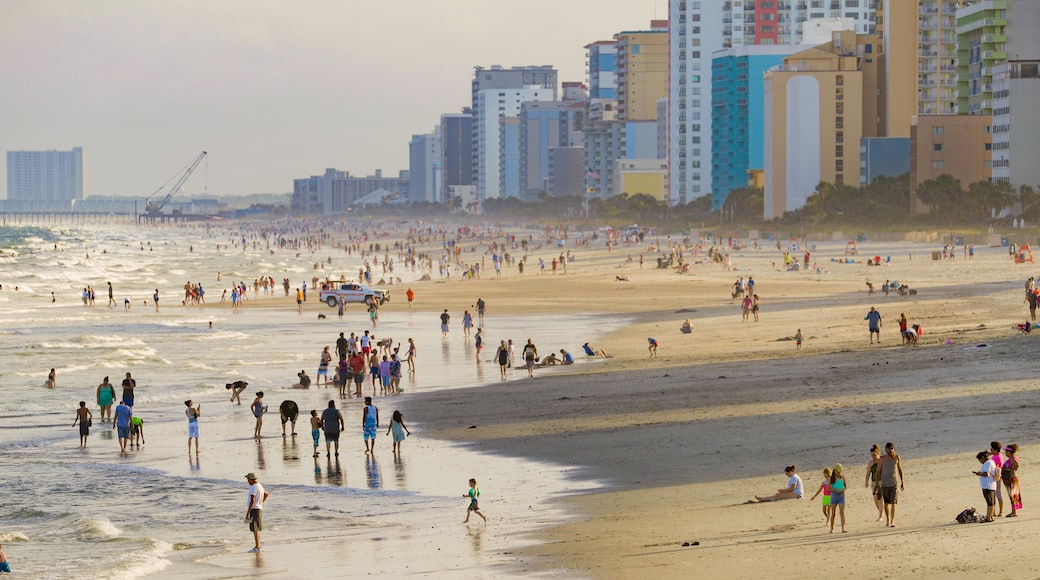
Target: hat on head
column 1008, row 448
column 250, row 475
column 838, row 468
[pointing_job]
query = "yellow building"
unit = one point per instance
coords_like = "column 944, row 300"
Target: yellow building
column 642, row 71
column 649, row 176
column 958, row 145
column 919, row 43
column 819, row 105
column 756, row 178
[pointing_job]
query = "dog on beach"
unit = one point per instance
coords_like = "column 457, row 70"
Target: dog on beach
column 321, row 317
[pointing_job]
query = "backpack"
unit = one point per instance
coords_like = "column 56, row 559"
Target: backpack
column 968, row 516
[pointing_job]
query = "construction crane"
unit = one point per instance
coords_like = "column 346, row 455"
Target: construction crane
column 155, row 208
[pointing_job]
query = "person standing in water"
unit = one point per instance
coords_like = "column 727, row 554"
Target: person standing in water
column 259, row 408
column 85, row 418
column 369, row 425
column 193, row 424
column 106, row 397
column 128, row 390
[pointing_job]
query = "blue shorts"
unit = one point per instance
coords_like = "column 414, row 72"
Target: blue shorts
column 5, row 567
column 837, row 498
column 129, row 401
column 315, row 433
column 370, row 432
column 386, row 381
column 193, row 429
column 323, row 372
column 124, row 432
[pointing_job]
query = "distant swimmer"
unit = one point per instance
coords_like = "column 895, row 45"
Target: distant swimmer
column 51, row 381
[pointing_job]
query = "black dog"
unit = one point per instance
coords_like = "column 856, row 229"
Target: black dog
column 321, row 317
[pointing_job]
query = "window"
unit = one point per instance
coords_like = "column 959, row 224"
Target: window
column 937, row 164
column 937, row 147
column 989, row 146
column 839, row 166
column 839, row 151
column 839, row 108
column 634, row 49
column 937, row 130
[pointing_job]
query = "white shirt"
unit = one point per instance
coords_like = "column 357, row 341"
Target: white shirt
column 989, row 480
column 256, row 490
column 797, row 482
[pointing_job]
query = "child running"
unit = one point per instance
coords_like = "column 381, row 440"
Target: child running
column 825, row 489
column 474, row 506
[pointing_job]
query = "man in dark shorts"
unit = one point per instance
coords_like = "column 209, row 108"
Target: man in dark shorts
column 341, row 346
column 890, row 465
column 128, row 390
column 357, row 369
column 332, row 423
column 873, row 319
column 289, row 412
column 255, row 509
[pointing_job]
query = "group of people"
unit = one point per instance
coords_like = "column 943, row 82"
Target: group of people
column 884, row 477
column 129, row 427
column 997, row 473
column 363, row 354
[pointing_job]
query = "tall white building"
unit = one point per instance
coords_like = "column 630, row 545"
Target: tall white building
column 493, row 105
column 700, row 27
column 45, row 176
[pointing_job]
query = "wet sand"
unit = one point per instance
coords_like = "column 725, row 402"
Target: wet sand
column 684, row 439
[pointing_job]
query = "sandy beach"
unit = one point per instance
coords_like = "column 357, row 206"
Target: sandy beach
column 684, row 439
column 602, row 469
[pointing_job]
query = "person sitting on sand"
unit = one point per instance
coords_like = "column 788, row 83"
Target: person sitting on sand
column 687, row 327
column 594, row 352
column 792, row 491
column 550, row 361
column 305, row 381
column 567, row 358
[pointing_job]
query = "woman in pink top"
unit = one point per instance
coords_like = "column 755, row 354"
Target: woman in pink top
column 994, row 452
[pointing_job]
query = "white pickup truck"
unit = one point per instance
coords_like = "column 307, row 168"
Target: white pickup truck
column 351, row 292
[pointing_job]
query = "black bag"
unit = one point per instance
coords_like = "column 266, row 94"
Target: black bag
column 1007, row 474
column 968, row 516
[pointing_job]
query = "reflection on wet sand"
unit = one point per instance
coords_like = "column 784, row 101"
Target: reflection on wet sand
column 375, row 479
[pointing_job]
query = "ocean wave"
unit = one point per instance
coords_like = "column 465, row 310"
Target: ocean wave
column 7, row 537
column 136, row 564
column 85, row 529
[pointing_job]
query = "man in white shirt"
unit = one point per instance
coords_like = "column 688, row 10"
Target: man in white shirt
column 255, row 509
column 988, row 480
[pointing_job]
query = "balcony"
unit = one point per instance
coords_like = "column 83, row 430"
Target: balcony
column 989, row 38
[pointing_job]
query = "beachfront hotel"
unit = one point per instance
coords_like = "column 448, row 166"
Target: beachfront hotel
column 701, row 27
column 45, row 177
column 818, row 106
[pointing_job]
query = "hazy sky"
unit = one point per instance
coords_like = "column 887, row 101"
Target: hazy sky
column 273, row 90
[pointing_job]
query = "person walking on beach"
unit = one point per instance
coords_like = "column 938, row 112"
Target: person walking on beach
column 798, row 340
column 1009, row 476
column 481, row 306
column 998, row 462
column 872, row 480
column 155, row 298
column 332, row 423
column 479, row 342
column 357, row 371
column 85, row 419
column 445, row 319
column 129, row 384
column 315, row 430
column 369, row 425
column 121, row 423
column 410, row 294
column 399, row 430
column 193, row 414
column 502, row 356
column 825, row 489
column 988, row 481
column 288, row 411
column 411, row 355
column 111, row 296
column 838, row 496
column 754, row 306
column 343, row 376
column 745, row 308
column 467, row 322
column 474, row 505
column 255, row 509
column 299, row 301
column 873, row 319
column 891, row 464
column 530, row 357
column 323, row 365
column 259, row 408
column 106, row 396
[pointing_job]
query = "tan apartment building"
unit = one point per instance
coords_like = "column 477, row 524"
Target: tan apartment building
column 818, row 105
column 642, row 71
column 919, row 43
column 958, row 145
